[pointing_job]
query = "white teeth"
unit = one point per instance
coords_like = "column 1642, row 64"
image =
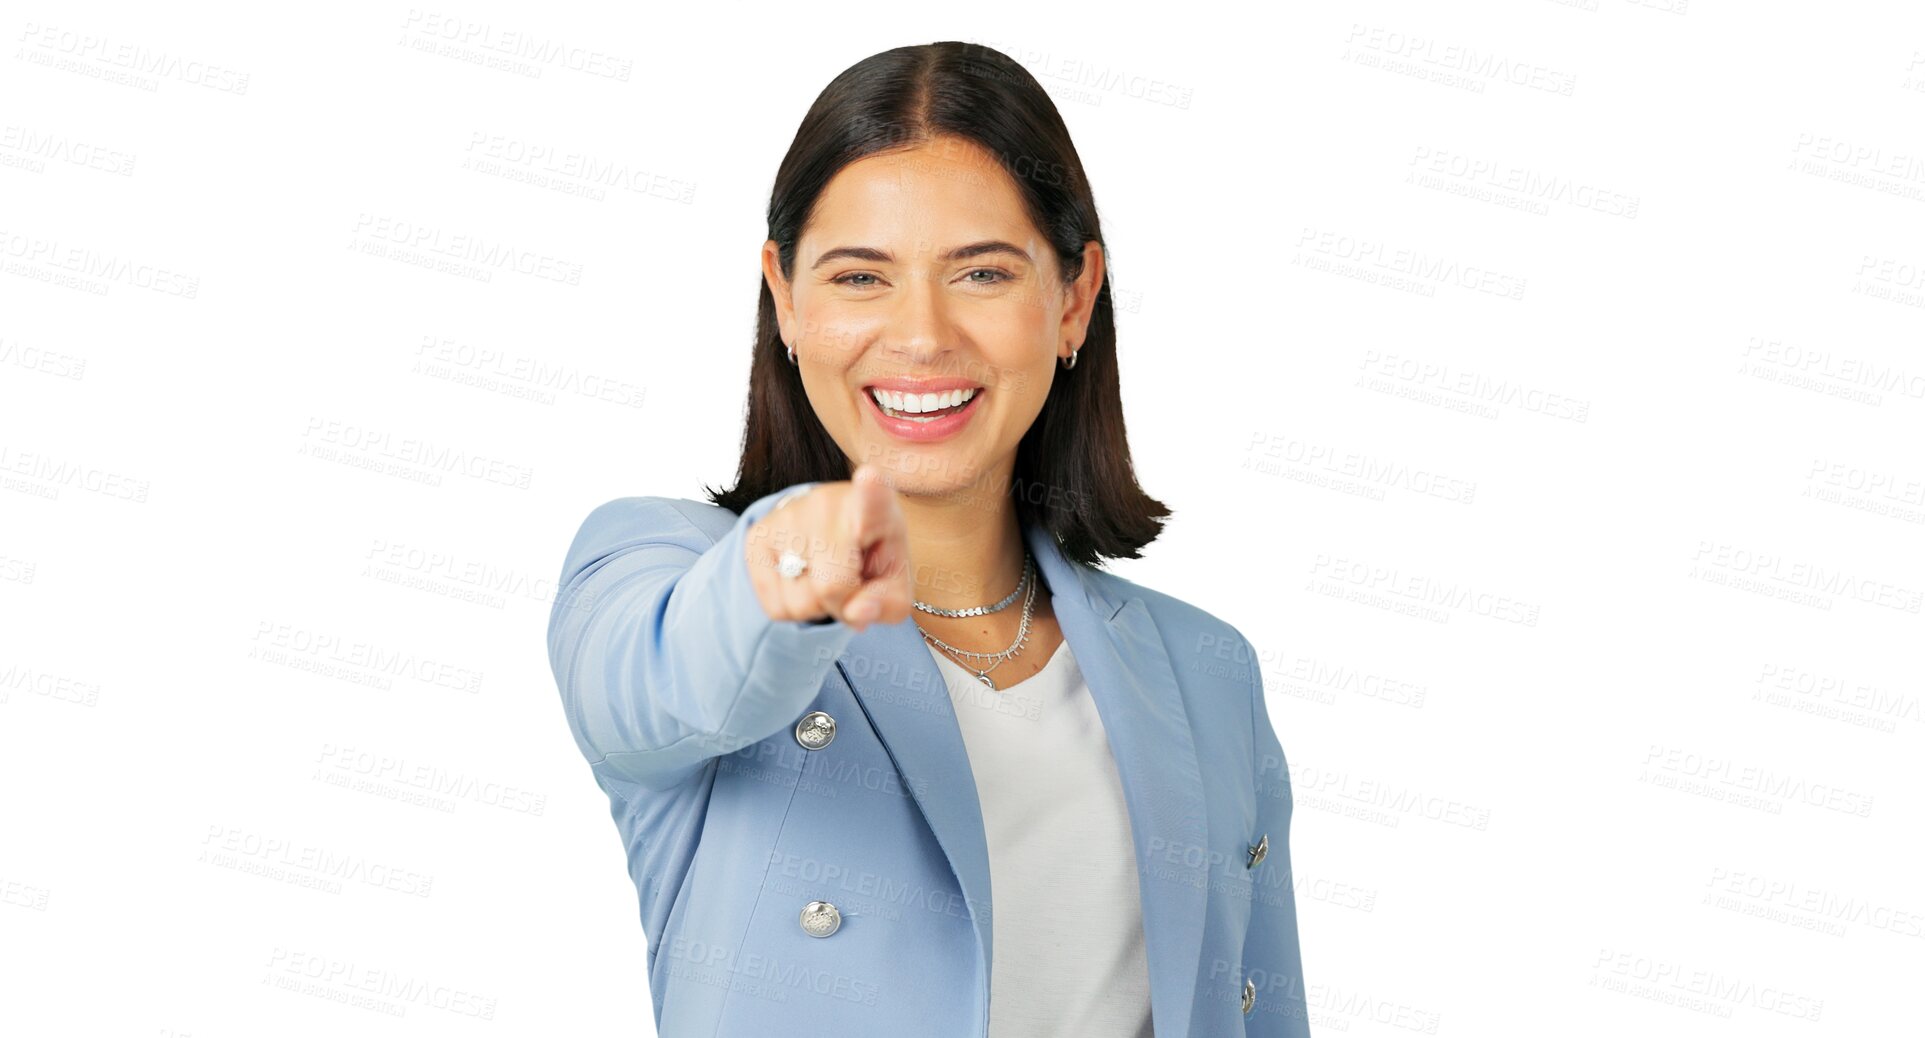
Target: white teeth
column 903, row 404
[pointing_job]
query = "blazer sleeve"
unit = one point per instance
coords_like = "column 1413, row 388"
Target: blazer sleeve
column 1272, row 958
column 663, row 654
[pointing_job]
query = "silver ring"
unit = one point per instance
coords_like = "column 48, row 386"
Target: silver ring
column 791, row 565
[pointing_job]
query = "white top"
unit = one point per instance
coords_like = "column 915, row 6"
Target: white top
column 1068, row 917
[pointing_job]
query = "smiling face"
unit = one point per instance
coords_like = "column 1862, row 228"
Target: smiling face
column 927, row 314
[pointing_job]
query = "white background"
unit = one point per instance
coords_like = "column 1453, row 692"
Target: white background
column 1560, row 451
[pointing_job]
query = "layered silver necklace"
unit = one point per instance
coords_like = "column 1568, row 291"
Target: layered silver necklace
column 1028, row 580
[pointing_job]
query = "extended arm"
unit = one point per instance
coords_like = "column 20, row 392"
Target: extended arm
column 663, row 654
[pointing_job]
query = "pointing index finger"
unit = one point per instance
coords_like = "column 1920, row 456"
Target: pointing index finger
column 869, row 513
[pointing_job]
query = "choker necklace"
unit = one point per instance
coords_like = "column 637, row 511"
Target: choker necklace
column 1022, row 632
column 981, row 610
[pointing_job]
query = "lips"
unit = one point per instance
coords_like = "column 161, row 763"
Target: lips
column 922, row 412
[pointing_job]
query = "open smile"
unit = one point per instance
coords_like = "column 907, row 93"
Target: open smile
column 922, row 412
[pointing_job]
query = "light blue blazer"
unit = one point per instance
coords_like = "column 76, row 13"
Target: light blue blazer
column 686, row 700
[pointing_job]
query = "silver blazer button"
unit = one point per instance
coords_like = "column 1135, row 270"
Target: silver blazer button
column 1258, row 850
column 815, row 730
column 820, row 919
column 1249, row 995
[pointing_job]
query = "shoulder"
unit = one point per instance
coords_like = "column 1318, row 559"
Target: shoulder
column 1214, row 668
column 626, row 523
column 1197, row 640
column 660, row 515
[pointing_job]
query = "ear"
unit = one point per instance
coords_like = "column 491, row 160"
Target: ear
column 1081, row 303
column 779, row 288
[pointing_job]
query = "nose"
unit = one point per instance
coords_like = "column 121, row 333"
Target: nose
column 918, row 329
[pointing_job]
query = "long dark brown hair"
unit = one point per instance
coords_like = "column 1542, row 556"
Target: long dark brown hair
column 1073, row 473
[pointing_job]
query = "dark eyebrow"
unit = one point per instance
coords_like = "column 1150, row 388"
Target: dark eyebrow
column 970, row 251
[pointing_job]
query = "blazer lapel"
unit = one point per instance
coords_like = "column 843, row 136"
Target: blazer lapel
column 897, row 684
column 1121, row 655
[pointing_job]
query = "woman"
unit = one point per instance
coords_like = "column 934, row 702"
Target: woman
column 878, row 688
